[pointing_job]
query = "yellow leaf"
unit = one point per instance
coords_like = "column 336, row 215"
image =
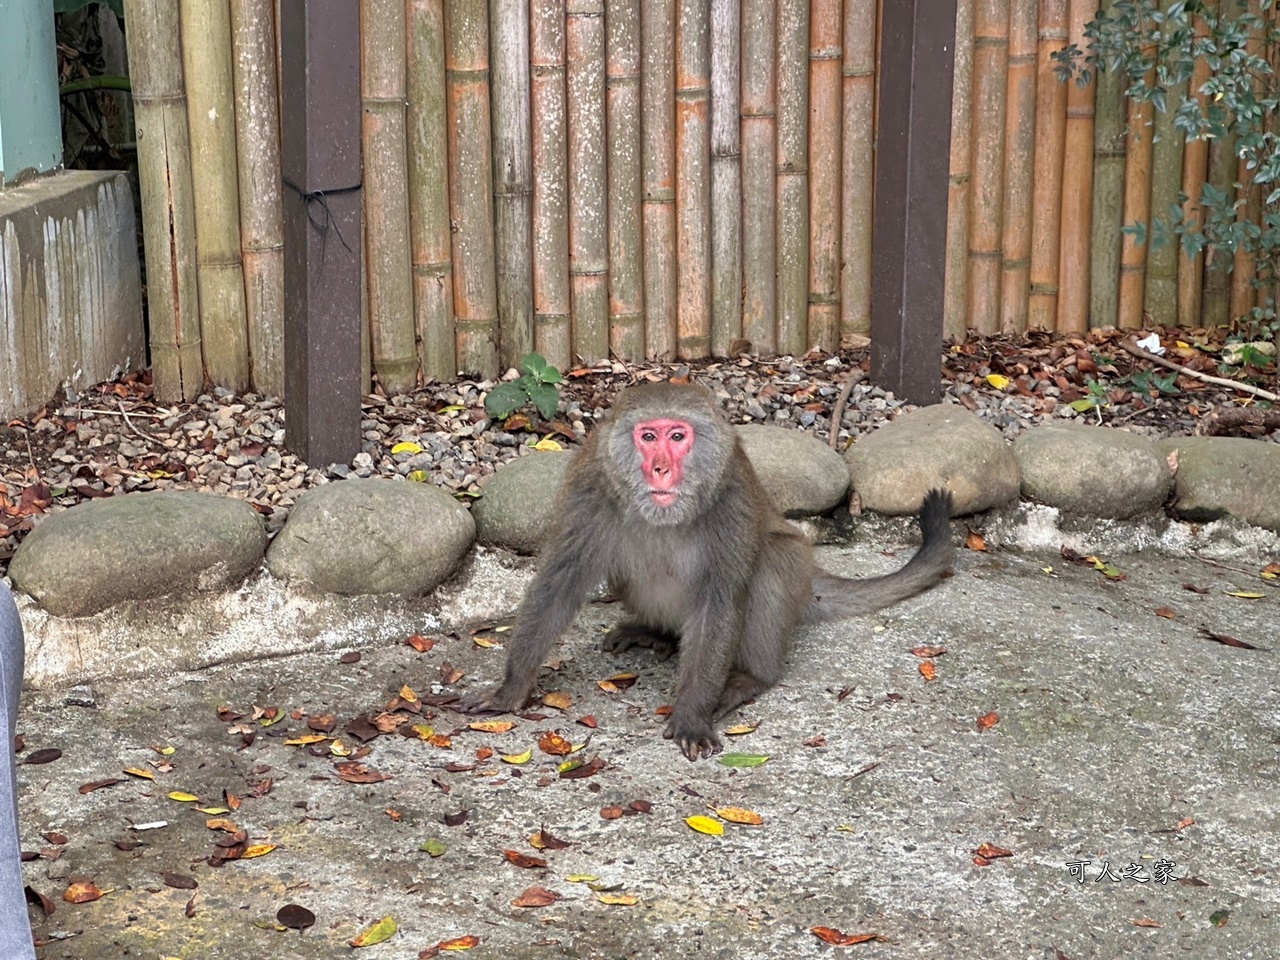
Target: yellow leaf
column 418, row 476
column 405, row 446
column 738, row 729
column 520, row 757
column 339, row 749
column 270, row 721
column 618, row 899
column 846, row 828
column 139, row 772
column 452, row 408
column 407, row 694
column 305, row 739
column 582, row 878
column 705, row 825
column 213, row 811
column 547, row 444
column 1245, row 594
column 739, row 815
column 183, row 797
column 558, row 700
column 998, row 381
column 169, row 751
column 492, row 726
column 257, row 850
column 424, row 731
column 487, row 642
column 1182, row 345
column 384, row 929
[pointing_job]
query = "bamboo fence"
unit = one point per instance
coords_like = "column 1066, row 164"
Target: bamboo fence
column 652, row 178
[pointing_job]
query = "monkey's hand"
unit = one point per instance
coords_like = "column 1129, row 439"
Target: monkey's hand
column 695, row 738
column 503, row 699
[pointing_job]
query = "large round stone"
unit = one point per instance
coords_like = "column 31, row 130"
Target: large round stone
column 137, row 546
column 1094, row 471
column 521, row 501
column 1227, row 476
column 802, row 474
column 372, row 536
column 938, row 446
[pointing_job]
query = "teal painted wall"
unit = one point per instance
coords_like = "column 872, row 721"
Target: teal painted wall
column 30, row 129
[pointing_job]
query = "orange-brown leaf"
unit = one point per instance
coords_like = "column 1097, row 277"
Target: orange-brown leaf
column 988, row 720
column 82, row 891
column 552, row 743
column 928, row 670
column 524, row 860
column 536, row 897
column 841, row 939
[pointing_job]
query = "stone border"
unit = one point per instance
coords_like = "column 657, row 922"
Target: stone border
column 107, row 579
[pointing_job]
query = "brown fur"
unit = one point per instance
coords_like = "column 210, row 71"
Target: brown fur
column 720, row 573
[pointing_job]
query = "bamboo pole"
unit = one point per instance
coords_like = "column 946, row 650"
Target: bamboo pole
column 206, row 55
column 825, row 129
column 1219, row 261
column 1249, row 194
column 386, row 171
column 626, row 268
column 257, row 104
column 1108, row 198
column 166, row 192
column 588, row 186
column 693, row 177
column 550, row 183
column 1137, row 210
column 429, row 235
column 475, row 296
column 986, row 197
column 657, row 91
column 512, row 177
column 759, row 177
column 1160, row 298
column 1077, row 190
column 1195, row 169
column 1051, row 113
column 793, row 177
column 726, row 175
column 1020, row 136
column 955, row 318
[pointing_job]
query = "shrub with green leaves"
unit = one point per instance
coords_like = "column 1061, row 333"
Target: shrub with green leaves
column 537, row 384
column 1157, row 45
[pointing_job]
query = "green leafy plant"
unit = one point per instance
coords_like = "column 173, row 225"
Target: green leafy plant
column 1149, row 382
column 1094, row 400
column 1157, row 45
column 537, row 384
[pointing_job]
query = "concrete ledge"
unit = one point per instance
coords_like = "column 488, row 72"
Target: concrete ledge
column 70, row 294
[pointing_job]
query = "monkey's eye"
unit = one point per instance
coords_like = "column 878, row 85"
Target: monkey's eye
column 648, row 436
column 677, row 436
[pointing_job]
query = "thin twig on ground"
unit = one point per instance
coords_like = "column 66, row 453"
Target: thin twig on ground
column 1137, row 351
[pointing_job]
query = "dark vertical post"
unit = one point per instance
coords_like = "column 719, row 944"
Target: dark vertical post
column 909, row 236
column 320, row 124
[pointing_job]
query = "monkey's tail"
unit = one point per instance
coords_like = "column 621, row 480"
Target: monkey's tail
column 835, row 598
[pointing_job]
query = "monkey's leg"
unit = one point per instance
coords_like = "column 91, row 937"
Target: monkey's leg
column 664, row 643
column 546, row 611
column 708, row 641
column 779, row 593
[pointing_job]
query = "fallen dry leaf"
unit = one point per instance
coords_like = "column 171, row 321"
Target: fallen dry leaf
column 82, row 891
column 553, row 744
column 739, row 815
column 988, row 720
column 536, row 897
column 558, row 700
column 378, row 932
column 841, row 939
column 928, row 670
column 611, row 813
column 295, row 917
column 523, row 860
column 420, row 643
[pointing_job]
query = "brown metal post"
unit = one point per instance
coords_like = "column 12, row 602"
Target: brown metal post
column 320, row 121
column 909, row 236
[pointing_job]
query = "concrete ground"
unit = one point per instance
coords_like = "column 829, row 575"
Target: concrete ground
column 1125, row 739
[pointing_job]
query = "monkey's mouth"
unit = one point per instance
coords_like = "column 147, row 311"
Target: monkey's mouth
column 663, row 498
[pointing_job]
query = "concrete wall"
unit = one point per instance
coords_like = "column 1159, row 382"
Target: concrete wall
column 30, row 136
column 70, row 296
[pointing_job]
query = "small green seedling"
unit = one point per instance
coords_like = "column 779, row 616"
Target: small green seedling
column 538, row 384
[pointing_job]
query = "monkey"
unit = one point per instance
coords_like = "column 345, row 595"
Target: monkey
column 662, row 504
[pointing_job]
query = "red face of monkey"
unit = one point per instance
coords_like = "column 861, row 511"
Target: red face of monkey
column 663, row 444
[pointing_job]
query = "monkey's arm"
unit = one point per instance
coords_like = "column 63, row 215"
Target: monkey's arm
column 708, row 640
column 572, row 565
